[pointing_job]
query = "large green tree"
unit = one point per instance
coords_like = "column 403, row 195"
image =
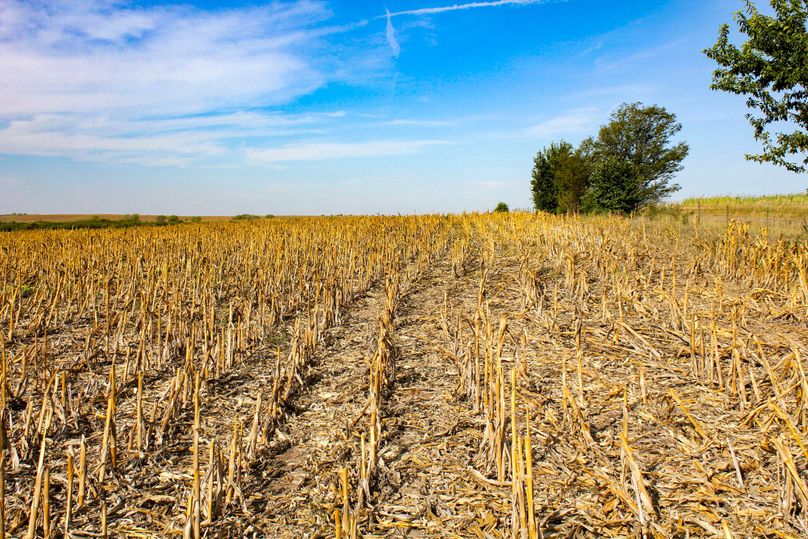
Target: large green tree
column 771, row 69
column 572, row 177
column 613, row 188
column 559, row 178
column 542, row 183
column 635, row 150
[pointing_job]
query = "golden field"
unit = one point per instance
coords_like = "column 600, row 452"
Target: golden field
column 481, row 375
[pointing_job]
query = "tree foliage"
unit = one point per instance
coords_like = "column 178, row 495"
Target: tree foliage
column 629, row 165
column 542, row 184
column 640, row 137
column 559, row 178
column 771, row 69
column 613, row 188
column 572, row 177
column 501, row 208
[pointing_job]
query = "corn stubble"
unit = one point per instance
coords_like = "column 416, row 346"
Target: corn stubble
column 620, row 378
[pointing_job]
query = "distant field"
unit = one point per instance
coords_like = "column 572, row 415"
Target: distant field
column 792, row 205
column 780, row 214
column 68, row 217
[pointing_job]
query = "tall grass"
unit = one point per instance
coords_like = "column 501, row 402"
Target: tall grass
column 794, row 200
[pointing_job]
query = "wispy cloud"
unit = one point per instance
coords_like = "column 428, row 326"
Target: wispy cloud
column 390, row 32
column 104, row 56
column 391, row 36
column 322, row 151
column 421, row 123
column 459, row 7
column 627, row 92
column 635, row 61
column 107, row 79
column 577, row 122
column 154, row 141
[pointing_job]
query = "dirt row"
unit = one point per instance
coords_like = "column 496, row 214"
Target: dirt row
column 429, row 438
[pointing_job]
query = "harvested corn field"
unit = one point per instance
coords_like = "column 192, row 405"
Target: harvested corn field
column 499, row 375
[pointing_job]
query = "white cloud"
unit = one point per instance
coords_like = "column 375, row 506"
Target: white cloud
column 160, row 141
column 424, row 123
column 458, row 7
column 390, row 33
column 54, row 135
column 577, row 122
column 391, row 36
column 625, row 92
column 87, row 56
column 321, row 151
column 103, row 79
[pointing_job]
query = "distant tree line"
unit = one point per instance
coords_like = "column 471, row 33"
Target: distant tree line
column 170, row 220
column 250, row 217
column 95, row 221
column 128, row 220
column 629, row 165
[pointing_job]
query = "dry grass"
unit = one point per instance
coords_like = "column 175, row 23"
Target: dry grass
column 795, row 202
column 779, row 215
column 461, row 376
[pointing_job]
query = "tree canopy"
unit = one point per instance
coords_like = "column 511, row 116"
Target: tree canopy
column 639, row 137
column 542, row 184
column 771, row 69
column 628, row 166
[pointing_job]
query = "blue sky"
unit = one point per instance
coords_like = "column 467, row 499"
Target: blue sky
column 310, row 107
